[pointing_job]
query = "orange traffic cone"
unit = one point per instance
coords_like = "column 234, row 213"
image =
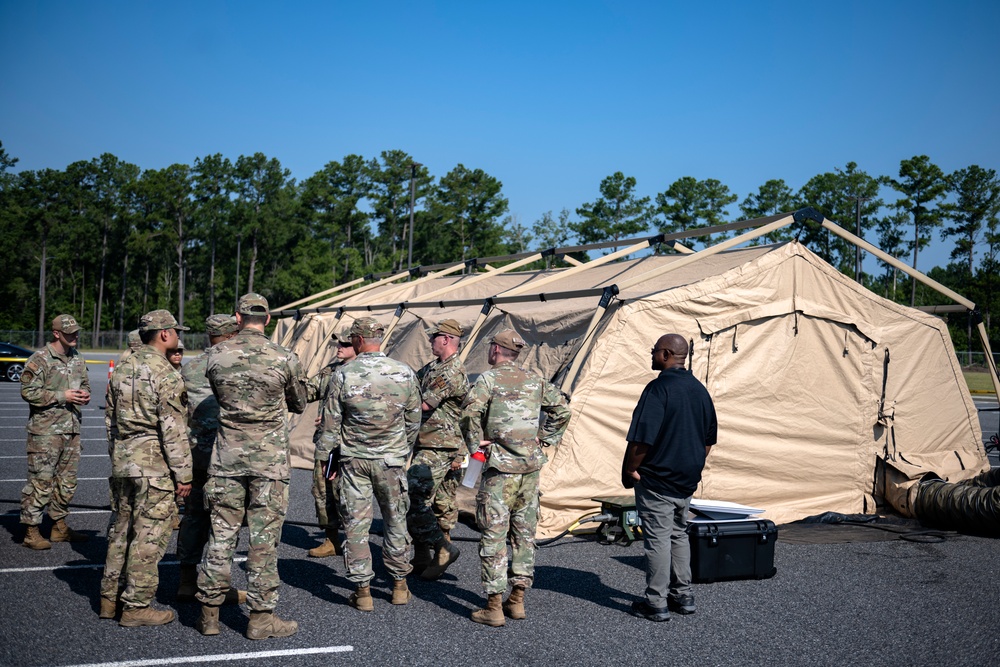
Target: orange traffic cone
column 111, row 368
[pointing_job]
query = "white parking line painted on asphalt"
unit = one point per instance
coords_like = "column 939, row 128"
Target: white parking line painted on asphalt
column 86, row 566
column 193, row 659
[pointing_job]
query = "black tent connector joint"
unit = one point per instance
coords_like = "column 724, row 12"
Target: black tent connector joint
column 808, row 213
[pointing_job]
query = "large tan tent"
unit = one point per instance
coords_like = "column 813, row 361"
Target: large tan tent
column 815, row 378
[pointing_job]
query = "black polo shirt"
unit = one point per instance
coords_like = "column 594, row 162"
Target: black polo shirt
column 676, row 418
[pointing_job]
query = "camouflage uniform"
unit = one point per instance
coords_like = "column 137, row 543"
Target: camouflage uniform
column 203, row 421
column 53, row 432
column 324, row 491
column 146, row 418
column 443, row 386
column 503, row 406
column 371, row 418
column 254, row 380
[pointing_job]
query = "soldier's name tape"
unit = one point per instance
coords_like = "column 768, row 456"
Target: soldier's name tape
column 86, row 566
column 194, row 659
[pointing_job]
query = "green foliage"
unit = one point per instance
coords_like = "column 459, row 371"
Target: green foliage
column 617, row 214
column 772, row 198
column 975, row 210
column 689, row 204
column 463, row 218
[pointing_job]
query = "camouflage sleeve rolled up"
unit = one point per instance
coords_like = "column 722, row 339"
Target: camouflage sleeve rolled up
column 557, row 415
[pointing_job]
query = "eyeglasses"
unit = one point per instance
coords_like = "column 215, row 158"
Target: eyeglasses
column 660, row 349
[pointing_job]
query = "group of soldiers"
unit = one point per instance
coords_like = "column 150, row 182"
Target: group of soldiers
column 213, row 435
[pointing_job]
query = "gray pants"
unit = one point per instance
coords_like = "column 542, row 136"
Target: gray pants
column 668, row 553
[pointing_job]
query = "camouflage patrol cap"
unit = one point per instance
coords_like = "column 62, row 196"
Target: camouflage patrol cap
column 509, row 339
column 367, row 327
column 180, row 345
column 158, row 320
column 252, row 304
column 220, row 325
column 134, row 341
column 65, row 324
column 450, row 327
column 343, row 338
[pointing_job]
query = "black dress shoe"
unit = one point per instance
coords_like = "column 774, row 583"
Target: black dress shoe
column 681, row 605
column 642, row 609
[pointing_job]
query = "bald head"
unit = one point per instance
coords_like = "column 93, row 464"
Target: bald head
column 670, row 351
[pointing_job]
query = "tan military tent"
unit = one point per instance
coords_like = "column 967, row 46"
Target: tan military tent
column 815, row 378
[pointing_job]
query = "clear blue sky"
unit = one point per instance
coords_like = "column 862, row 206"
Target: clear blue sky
column 549, row 97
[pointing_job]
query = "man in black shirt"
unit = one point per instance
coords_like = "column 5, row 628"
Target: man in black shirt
column 673, row 428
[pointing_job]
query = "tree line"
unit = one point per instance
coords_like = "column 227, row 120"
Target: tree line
column 107, row 240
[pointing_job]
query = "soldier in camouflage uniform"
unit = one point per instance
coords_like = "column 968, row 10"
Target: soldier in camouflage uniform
column 325, row 490
column 134, row 343
column 55, row 384
column 203, row 421
column 151, row 461
column 501, row 415
column 434, row 473
column 370, row 422
column 255, row 381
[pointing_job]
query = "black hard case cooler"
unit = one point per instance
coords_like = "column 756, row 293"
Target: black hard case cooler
column 732, row 550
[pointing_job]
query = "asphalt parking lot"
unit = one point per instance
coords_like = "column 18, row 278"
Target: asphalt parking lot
column 888, row 602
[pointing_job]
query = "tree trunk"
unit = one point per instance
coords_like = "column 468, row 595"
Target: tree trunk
column 100, row 284
column 121, row 307
column 253, row 262
column 41, row 290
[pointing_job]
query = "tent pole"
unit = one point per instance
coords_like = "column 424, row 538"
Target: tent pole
column 990, row 363
column 706, row 252
column 392, row 325
column 483, row 314
column 892, row 261
column 602, row 307
column 317, row 295
column 388, row 295
column 483, row 276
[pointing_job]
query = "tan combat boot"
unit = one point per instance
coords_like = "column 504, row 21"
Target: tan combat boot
column 140, row 616
column 34, row 540
column 188, row 585
column 208, row 622
column 108, row 608
column 63, row 533
column 264, row 624
column 361, row 599
column 330, row 546
column 400, row 592
column 492, row 613
column 422, row 557
column 447, row 553
column 514, row 606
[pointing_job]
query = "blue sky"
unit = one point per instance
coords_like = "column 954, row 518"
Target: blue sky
column 549, row 97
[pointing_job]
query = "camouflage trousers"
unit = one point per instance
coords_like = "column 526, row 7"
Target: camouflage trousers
column 264, row 503
column 507, row 505
column 149, row 503
column 119, row 526
column 192, row 536
column 362, row 482
column 432, row 486
column 326, row 493
column 53, row 461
